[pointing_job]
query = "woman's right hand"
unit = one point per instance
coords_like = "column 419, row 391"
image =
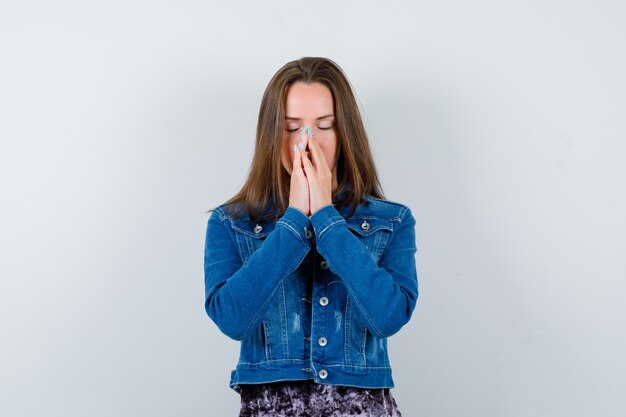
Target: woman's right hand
column 299, row 186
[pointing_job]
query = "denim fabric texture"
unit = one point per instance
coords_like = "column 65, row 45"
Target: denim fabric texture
column 312, row 297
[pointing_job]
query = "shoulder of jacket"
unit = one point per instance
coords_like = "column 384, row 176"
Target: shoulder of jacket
column 400, row 209
column 221, row 211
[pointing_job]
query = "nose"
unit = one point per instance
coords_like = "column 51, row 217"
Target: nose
column 306, row 129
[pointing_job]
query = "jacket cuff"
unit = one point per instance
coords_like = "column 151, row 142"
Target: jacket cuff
column 325, row 218
column 298, row 222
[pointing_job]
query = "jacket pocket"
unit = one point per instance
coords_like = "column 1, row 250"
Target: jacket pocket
column 375, row 350
column 275, row 331
column 253, row 348
column 374, row 233
column 250, row 236
column 354, row 336
column 266, row 337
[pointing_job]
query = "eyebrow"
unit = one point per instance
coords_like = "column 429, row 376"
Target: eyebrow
column 321, row 117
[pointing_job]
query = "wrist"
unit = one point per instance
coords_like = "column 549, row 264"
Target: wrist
column 313, row 211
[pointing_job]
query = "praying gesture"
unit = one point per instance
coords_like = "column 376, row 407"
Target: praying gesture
column 315, row 171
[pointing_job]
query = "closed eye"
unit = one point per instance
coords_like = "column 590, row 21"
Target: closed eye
column 321, row 128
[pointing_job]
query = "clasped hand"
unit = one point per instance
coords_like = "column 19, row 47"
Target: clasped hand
column 311, row 179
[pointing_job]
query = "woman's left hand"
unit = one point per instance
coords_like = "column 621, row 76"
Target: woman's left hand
column 318, row 175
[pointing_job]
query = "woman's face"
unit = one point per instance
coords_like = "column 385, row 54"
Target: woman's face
column 310, row 105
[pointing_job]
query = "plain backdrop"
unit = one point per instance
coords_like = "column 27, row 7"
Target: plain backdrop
column 500, row 123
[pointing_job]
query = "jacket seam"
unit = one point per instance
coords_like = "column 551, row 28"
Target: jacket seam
column 273, row 360
column 330, row 225
column 290, row 228
column 355, row 366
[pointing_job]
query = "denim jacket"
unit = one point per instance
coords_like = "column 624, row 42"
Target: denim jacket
column 312, row 297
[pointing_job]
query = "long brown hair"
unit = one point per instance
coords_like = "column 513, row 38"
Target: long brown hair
column 267, row 185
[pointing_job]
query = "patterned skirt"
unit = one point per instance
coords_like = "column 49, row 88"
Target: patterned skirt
column 306, row 398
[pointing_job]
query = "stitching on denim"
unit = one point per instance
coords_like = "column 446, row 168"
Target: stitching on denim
column 326, row 365
column 330, row 225
column 379, row 333
column 268, row 340
column 290, row 270
column 249, row 246
column 376, row 218
column 283, row 313
column 220, row 213
column 406, row 211
column 377, row 246
column 272, row 360
column 292, row 229
column 363, row 346
column 259, row 236
column 403, row 213
column 300, row 307
column 370, row 217
column 245, row 332
column 241, row 243
column 380, row 244
column 346, row 332
column 230, row 233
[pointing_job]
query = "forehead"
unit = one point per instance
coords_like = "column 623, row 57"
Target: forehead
column 308, row 100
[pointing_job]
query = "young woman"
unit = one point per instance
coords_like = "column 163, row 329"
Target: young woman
column 308, row 265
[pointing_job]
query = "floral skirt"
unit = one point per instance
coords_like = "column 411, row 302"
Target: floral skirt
column 306, row 398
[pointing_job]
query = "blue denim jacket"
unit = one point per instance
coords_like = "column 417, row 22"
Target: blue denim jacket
column 312, row 297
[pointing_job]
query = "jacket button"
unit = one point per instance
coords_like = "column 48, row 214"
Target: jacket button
column 324, row 301
column 308, row 233
column 365, row 225
column 324, row 265
column 323, row 374
column 258, row 228
column 322, row 341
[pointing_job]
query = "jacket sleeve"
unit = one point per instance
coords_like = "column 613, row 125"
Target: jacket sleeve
column 386, row 294
column 237, row 294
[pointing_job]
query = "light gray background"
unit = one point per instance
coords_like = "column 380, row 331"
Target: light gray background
column 501, row 124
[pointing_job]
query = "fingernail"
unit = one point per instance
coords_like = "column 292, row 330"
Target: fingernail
column 302, row 146
column 307, row 129
column 295, row 148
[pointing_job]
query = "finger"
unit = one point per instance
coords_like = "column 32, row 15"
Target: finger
column 313, row 152
column 305, row 146
column 308, row 166
column 305, row 138
column 319, row 159
column 297, row 160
